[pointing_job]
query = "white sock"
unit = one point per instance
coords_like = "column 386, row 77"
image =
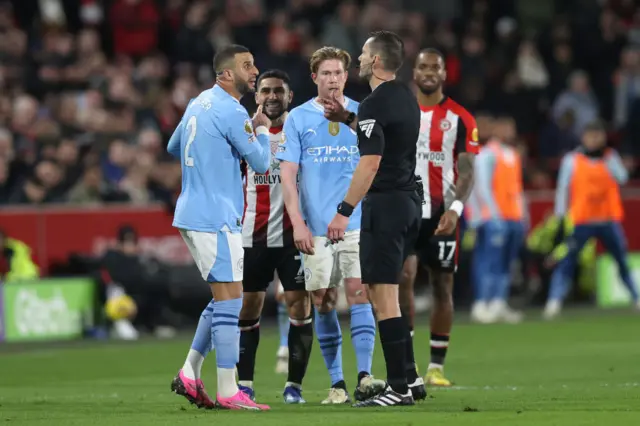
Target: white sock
column 227, row 386
column 434, row 365
column 193, row 365
column 295, row 385
column 246, row 383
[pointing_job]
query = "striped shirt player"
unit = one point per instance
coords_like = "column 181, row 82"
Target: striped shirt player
column 267, row 233
column 446, row 130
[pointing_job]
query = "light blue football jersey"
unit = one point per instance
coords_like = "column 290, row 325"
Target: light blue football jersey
column 327, row 154
column 214, row 134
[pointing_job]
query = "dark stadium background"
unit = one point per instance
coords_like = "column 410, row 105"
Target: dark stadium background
column 90, row 92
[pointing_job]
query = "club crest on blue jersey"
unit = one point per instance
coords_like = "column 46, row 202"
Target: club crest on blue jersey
column 334, row 128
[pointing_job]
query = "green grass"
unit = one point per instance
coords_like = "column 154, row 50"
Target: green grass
column 584, row 370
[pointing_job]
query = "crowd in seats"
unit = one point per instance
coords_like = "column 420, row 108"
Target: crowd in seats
column 90, row 91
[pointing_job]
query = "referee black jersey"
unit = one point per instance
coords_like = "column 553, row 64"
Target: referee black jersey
column 389, row 125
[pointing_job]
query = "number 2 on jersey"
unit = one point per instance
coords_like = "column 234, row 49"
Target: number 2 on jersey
column 191, row 125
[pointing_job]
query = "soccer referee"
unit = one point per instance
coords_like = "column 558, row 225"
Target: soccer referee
column 388, row 126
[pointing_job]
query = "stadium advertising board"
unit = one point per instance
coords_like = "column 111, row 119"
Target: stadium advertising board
column 611, row 291
column 53, row 233
column 53, row 309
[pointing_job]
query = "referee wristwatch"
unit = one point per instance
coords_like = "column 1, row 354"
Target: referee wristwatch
column 350, row 118
column 345, row 209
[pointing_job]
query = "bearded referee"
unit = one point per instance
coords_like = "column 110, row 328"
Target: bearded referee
column 388, row 124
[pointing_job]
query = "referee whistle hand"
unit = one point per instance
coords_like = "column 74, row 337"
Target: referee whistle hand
column 333, row 108
column 303, row 239
column 448, row 223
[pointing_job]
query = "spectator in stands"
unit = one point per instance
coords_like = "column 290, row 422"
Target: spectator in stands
column 4, row 179
column 627, row 86
column 580, row 99
column 557, row 137
column 531, row 69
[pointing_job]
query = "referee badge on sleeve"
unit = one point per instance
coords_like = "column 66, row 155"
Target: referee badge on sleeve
column 366, row 126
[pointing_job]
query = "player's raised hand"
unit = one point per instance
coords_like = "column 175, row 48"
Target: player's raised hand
column 303, row 239
column 333, row 108
column 261, row 119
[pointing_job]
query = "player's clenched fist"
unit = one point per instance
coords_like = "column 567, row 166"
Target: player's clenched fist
column 261, row 119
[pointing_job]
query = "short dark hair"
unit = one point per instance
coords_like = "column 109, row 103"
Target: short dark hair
column 227, row 53
column 433, row 51
column 390, row 47
column 596, row 125
column 274, row 73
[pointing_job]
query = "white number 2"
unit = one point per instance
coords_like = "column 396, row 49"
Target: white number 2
column 191, row 125
column 450, row 245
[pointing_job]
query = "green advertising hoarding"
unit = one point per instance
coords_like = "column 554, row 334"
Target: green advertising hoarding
column 611, row 291
column 52, row 309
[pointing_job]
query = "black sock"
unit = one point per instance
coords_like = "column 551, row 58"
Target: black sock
column 339, row 385
column 249, row 340
column 439, row 346
column 393, row 334
column 300, row 342
column 410, row 365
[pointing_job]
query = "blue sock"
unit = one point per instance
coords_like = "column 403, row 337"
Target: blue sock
column 225, row 333
column 559, row 284
column 283, row 324
column 330, row 339
column 202, row 339
column 363, row 335
column 502, row 289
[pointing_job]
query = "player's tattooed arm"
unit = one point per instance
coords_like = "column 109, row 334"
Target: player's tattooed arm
column 464, row 184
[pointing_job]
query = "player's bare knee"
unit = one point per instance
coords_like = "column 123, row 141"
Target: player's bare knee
column 298, row 305
column 252, row 305
column 355, row 292
column 325, row 300
column 443, row 288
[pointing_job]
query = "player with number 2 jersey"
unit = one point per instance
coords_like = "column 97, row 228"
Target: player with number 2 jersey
column 214, row 134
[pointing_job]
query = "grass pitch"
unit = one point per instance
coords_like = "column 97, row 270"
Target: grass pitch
column 583, row 370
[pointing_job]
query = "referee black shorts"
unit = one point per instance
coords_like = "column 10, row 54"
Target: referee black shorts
column 388, row 233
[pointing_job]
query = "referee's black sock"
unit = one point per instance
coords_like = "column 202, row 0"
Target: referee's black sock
column 393, row 334
column 412, row 372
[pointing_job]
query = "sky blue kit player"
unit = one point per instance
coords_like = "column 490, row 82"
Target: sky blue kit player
column 327, row 154
column 214, row 134
column 324, row 154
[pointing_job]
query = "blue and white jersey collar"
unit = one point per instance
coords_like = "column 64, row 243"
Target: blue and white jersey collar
column 219, row 91
column 320, row 108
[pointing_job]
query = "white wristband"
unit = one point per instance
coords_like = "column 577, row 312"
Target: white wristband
column 457, row 207
column 262, row 130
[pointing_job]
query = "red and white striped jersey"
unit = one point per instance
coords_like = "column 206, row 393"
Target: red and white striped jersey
column 446, row 130
column 266, row 222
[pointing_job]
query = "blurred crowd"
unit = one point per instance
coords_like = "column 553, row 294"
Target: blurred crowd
column 91, row 90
